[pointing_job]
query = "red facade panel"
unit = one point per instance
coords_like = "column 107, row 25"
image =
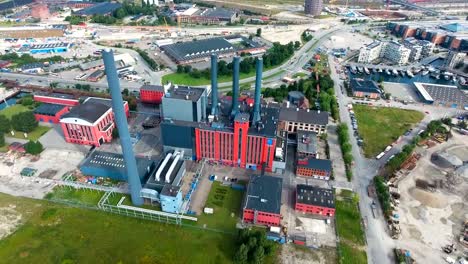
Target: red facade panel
column 55, row 119
column 151, row 96
column 262, row 218
column 55, row 100
column 312, row 209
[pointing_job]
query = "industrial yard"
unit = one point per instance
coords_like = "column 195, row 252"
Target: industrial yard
column 431, row 219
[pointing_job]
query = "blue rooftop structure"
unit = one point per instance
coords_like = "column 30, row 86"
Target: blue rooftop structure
column 103, row 8
column 455, row 27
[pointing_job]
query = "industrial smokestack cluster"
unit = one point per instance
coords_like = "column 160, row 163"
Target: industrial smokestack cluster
column 121, row 121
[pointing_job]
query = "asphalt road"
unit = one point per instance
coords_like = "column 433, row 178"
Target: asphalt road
column 379, row 244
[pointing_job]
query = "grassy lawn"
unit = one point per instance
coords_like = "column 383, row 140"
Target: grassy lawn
column 300, row 74
column 14, row 109
column 53, row 233
column 34, row 135
column 4, row 148
column 380, row 126
column 348, row 224
column 351, row 255
column 225, row 201
column 79, row 196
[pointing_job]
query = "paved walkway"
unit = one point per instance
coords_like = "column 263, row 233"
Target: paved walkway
column 335, row 154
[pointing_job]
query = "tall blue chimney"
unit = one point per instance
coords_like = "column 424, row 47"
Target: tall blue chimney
column 121, row 121
column 214, row 84
column 235, row 85
column 258, row 88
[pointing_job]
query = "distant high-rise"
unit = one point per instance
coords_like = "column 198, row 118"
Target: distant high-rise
column 313, row 7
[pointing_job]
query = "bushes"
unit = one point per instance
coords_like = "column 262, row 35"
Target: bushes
column 253, row 247
column 346, row 148
column 383, row 194
column 2, row 139
column 24, row 122
column 5, row 124
column 33, row 147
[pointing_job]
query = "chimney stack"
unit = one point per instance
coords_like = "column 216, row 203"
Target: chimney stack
column 235, row 85
column 122, row 126
column 258, row 88
column 214, row 84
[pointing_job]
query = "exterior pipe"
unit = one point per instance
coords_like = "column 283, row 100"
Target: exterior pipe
column 161, row 168
column 172, row 167
column 235, row 85
column 122, row 126
column 258, row 88
column 214, row 84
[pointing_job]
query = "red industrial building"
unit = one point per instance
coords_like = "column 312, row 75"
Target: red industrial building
column 90, row 123
column 315, row 200
column 262, row 202
column 151, row 94
column 50, row 113
column 240, row 146
column 56, row 98
column 316, row 168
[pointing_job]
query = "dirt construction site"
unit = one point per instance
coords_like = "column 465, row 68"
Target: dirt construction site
column 50, row 165
column 432, row 216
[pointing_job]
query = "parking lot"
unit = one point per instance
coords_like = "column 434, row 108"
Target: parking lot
column 401, row 92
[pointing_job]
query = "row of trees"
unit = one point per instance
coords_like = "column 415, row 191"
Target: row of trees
column 75, row 20
column 26, row 59
column 253, row 247
column 152, row 63
column 346, row 148
column 383, row 194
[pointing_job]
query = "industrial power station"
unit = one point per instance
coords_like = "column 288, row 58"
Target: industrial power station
column 228, row 133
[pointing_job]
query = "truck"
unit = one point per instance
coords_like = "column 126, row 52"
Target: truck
column 374, row 209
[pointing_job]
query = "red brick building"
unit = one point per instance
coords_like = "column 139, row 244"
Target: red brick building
column 315, row 200
column 50, row 113
column 315, row 168
column 262, row 202
column 56, row 98
column 90, row 123
column 151, row 94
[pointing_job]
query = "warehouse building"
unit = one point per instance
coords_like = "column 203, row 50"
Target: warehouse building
column 365, row 88
column 103, row 8
column 56, row 98
column 96, row 75
column 442, row 95
column 112, row 166
column 151, row 94
column 57, row 47
column 314, row 168
column 201, row 50
column 315, row 200
column 90, row 123
column 294, row 119
column 210, row 16
column 50, row 113
column 262, row 202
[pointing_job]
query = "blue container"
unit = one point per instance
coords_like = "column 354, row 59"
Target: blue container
column 238, row 187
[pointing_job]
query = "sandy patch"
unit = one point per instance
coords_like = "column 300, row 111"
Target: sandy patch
column 9, row 220
column 429, row 199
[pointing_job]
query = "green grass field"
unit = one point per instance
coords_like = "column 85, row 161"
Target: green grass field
column 380, row 126
column 12, row 110
column 34, row 135
column 53, row 233
column 225, row 201
column 79, row 196
column 349, row 228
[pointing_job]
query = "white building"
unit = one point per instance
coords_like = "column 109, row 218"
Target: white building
column 396, row 53
column 370, row 52
column 454, row 58
column 419, row 48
